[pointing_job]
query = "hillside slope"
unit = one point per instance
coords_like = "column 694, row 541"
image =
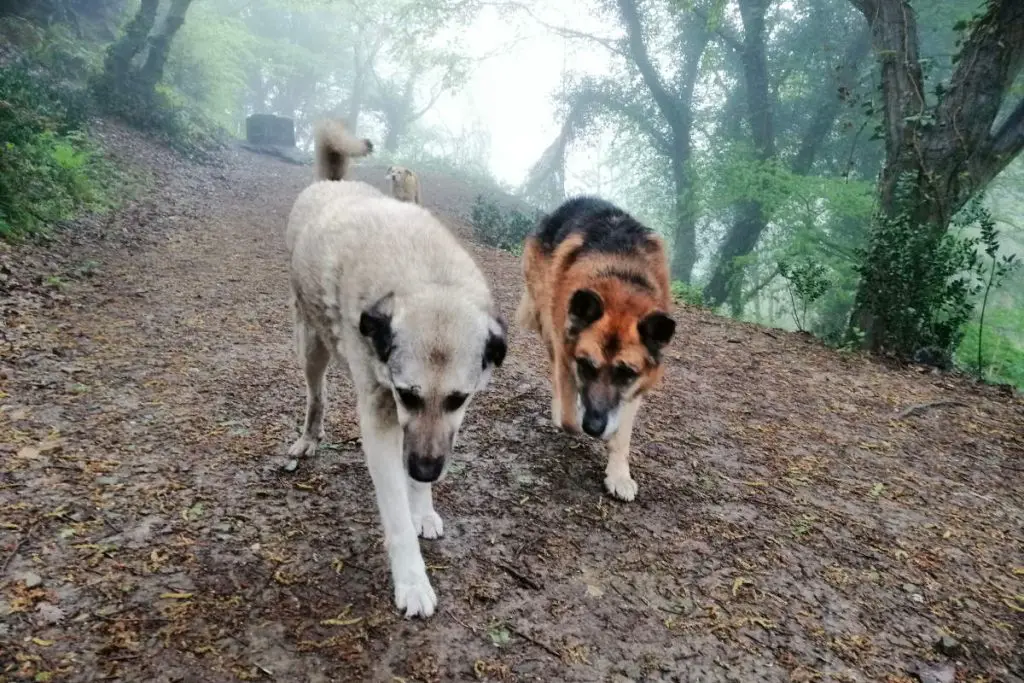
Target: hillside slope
column 802, row 514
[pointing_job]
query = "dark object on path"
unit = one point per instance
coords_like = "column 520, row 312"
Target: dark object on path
column 274, row 136
column 267, row 129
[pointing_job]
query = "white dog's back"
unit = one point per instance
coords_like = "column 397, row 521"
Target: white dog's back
column 355, row 244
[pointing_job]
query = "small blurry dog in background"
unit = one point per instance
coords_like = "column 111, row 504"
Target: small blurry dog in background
column 597, row 292
column 405, row 185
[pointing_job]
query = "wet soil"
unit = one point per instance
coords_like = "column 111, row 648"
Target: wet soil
column 803, row 514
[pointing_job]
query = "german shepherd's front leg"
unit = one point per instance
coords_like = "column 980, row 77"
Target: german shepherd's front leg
column 616, row 475
column 564, row 411
column 382, row 443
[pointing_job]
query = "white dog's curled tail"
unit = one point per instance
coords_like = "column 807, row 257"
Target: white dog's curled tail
column 334, row 146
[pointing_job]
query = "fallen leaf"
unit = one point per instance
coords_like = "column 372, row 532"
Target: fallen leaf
column 175, row 596
column 341, row 622
column 739, row 583
column 43, row 643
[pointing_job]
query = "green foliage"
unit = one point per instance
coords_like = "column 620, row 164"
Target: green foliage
column 1004, row 353
column 691, row 295
column 991, row 275
column 806, row 282
column 502, row 228
column 49, row 171
column 919, row 286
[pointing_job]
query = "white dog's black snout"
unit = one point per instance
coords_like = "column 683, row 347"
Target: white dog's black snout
column 424, row 469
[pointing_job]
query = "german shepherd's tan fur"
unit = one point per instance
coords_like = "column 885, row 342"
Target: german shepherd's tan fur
column 597, row 292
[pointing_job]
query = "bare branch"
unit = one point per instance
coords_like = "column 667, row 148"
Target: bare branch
column 638, row 50
column 609, row 44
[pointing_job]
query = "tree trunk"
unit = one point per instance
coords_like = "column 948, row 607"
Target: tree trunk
column 937, row 158
column 118, row 63
column 751, row 221
column 358, row 94
column 160, row 46
column 684, row 243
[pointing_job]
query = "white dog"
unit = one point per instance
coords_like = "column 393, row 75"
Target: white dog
column 382, row 285
column 405, row 184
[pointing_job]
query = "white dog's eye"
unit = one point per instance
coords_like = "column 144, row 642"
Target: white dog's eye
column 453, row 402
column 410, row 399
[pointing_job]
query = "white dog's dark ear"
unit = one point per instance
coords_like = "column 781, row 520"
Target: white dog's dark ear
column 497, row 344
column 375, row 325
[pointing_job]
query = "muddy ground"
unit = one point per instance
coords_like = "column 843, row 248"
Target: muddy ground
column 798, row 519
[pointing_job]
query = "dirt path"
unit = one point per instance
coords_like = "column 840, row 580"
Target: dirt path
column 790, row 524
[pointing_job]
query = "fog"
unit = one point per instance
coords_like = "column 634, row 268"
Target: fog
column 752, row 134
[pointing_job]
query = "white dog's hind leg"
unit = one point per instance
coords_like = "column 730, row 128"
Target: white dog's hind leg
column 382, row 443
column 426, row 521
column 616, row 475
column 315, row 356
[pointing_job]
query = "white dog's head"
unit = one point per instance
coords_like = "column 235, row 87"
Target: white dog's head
column 397, row 172
column 435, row 350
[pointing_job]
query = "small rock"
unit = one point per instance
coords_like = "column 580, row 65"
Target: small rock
column 911, row 588
column 32, row 580
column 949, row 646
column 935, row 673
column 291, row 465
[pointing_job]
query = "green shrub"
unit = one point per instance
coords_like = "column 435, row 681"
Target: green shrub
column 687, row 294
column 501, row 228
column 49, row 171
column 920, row 286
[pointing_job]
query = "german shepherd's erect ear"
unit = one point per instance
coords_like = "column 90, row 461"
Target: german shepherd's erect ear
column 585, row 308
column 656, row 331
column 375, row 325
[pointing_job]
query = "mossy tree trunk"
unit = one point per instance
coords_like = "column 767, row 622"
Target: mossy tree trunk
column 938, row 156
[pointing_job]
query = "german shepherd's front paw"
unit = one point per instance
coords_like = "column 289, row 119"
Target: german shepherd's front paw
column 622, row 486
column 566, row 423
column 415, row 596
column 304, row 446
column 428, row 525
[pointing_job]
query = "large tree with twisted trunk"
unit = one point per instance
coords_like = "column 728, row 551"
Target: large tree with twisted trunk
column 656, row 105
column 125, row 87
column 941, row 149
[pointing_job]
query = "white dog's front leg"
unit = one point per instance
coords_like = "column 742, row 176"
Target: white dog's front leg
column 427, row 523
column 382, row 443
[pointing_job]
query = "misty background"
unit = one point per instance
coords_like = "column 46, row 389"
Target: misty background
column 752, row 134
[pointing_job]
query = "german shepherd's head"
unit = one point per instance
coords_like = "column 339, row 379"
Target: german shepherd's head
column 435, row 351
column 615, row 331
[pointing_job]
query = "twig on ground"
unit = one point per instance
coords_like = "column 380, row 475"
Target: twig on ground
column 544, row 646
column 460, row 622
column 17, row 546
column 920, row 408
column 519, row 576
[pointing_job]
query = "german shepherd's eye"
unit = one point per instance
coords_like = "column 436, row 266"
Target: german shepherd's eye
column 587, row 369
column 453, row 402
column 623, row 375
column 410, row 399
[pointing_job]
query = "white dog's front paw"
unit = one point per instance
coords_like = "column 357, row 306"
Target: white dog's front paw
column 304, row 446
column 428, row 526
column 621, row 486
column 415, row 597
